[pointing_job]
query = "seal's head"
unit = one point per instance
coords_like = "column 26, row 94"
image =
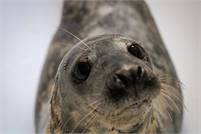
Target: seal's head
column 109, row 77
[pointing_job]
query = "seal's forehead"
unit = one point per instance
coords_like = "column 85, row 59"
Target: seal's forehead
column 115, row 41
column 121, row 43
column 107, row 37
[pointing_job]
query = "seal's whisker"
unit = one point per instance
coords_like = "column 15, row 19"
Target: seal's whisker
column 65, row 123
column 166, row 77
column 159, row 116
column 171, row 101
column 89, row 123
column 170, row 94
column 160, row 105
column 164, row 111
column 85, row 117
column 178, row 98
column 169, row 115
column 69, row 119
column 173, row 93
column 146, row 125
column 65, row 30
column 95, row 102
column 80, row 47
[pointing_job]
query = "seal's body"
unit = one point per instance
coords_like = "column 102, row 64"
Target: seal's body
column 108, row 82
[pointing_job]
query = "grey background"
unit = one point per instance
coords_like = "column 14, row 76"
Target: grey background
column 27, row 27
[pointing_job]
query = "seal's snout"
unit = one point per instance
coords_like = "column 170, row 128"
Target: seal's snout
column 127, row 79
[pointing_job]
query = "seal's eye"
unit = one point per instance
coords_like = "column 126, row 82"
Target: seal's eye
column 81, row 71
column 136, row 50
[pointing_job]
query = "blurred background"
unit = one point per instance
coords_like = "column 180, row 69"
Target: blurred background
column 27, row 27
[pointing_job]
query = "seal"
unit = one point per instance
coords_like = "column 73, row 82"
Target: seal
column 120, row 79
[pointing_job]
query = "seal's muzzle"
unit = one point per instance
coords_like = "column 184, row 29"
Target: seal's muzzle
column 130, row 79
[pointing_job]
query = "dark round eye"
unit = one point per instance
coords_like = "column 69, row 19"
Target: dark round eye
column 81, row 71
column 137, row 51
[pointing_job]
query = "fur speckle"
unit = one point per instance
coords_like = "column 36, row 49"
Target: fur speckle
column 71, row 112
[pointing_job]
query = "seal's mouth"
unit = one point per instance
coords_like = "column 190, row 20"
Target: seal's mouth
column 134, row 107
column 123, row 117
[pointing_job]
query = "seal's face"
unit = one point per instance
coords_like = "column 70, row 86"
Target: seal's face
column 112, row 78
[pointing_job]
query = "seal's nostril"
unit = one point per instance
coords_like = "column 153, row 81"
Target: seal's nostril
column 122, row 79
column 140, row 72
column 116, row 87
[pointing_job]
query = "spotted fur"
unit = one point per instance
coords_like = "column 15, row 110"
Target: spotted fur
column 89, row 18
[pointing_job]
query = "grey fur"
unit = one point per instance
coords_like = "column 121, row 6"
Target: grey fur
column 92, row 19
